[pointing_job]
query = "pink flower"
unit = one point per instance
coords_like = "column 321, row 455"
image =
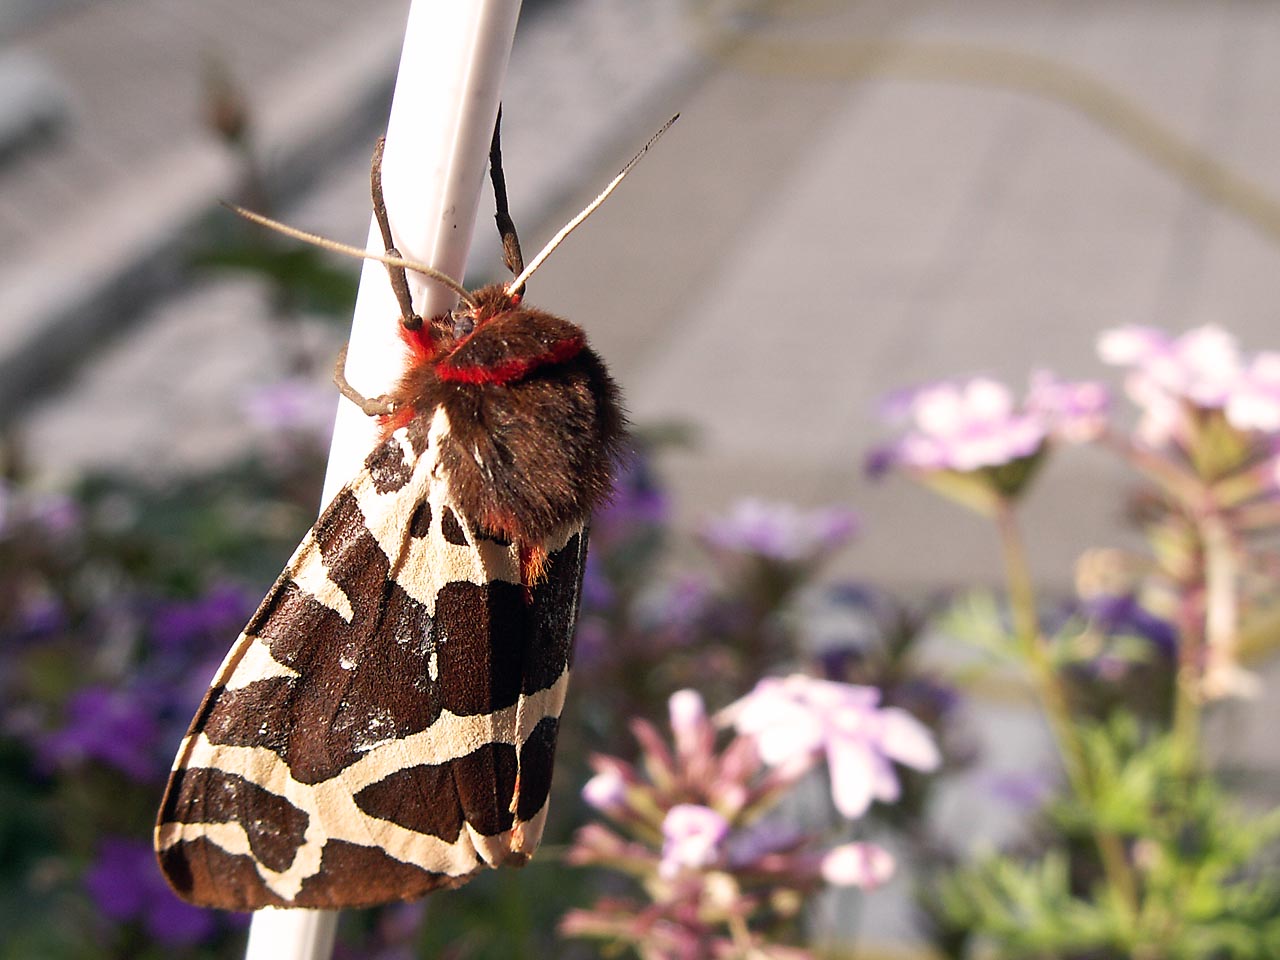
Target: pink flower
column 863, row 865
column 1075, row 412
column 694, row 736
column 692, row 838
column 1132, row 345
column 1254, row 404
column 795, row 719
column 1202, row 367
column 965, row 427
column 606, row 791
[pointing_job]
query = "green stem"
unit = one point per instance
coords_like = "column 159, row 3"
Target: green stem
column 1176, row 480
column 1057, row 707
column 1219, row 658
column 1187, row 685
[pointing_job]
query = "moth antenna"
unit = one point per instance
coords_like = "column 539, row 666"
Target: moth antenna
column 358, row 252
column 399, row 283
column 511, row 255
column 516, row 285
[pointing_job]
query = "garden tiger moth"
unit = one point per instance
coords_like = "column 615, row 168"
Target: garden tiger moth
column 385, row 725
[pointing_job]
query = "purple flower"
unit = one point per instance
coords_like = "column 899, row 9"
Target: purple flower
column 1201, row 365
column 218, row 615
column 598, row 593
column 1024, row 791
column 637, row 499
column 780, row 531
column 114, row 727
column 48, row 512
column 795, row 719
column 1123, row 614
column 692, row 836
column 126, row 885
column 292, row 406
column 962, row 427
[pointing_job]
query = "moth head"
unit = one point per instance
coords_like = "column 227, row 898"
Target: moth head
column 487, row 304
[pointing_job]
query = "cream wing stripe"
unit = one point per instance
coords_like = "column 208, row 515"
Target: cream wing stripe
column 256, row 664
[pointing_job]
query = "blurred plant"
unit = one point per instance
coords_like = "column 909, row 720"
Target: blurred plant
column 646, row 630
column 113, row 615
column 1143, row 855
column 300, row 279
column 725, row 871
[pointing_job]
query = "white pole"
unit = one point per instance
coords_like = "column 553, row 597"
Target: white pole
column 446, row 100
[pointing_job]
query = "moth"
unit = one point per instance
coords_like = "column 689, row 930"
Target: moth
column 386, row 723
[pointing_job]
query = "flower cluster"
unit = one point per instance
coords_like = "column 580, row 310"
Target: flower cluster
column 1208, row 437
column 796, row 719
column 1172, row 378
column 971, row 439
column 699, row 827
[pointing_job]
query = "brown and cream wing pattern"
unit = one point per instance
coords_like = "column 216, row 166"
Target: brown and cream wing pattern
column 386, row 723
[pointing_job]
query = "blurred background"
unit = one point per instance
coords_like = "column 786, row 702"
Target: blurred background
column 860, row 196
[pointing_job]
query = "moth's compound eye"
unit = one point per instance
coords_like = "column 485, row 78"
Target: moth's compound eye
column 463, row 324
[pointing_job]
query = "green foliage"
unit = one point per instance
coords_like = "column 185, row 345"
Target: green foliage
column 1210, row 890
column 301, row 278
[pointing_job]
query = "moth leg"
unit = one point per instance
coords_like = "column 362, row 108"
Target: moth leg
column 370, row 406
column 399, row 282
column 511, row 255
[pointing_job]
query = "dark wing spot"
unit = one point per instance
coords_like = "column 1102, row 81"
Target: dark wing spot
column 420, row 522
column 208, row 876
column 388, row 467
column 356, row 876
column 274, row 825
column 555, row 602
column 481, row 633
column 254, row 716
column 452, row 529
column 537, row 757
column 421, row 797
column 485, row 780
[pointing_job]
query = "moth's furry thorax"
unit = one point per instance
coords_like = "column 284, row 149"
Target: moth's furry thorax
column 535, row 421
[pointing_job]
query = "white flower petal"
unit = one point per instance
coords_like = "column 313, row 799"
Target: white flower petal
column 908, row 741
column 1131, row 345
column 862, row 865
column 851, row 766
column 605, row 791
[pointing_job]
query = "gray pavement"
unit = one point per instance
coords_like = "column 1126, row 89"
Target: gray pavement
column 858, row 197
column 817, row 230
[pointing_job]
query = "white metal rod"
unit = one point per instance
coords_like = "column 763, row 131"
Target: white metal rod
column 446, row 99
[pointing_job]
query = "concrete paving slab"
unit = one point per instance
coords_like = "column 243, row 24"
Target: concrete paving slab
column 926, row 230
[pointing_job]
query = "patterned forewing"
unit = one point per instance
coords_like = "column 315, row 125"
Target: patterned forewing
column 385, row 725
